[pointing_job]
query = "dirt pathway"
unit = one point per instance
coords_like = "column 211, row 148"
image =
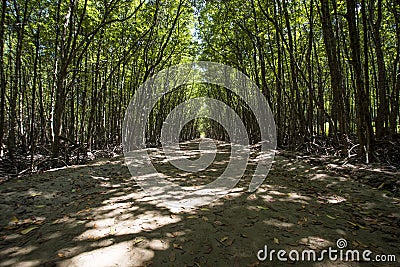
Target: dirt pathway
column 95, row 215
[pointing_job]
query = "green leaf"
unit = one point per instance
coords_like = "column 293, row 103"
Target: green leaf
column 27, row 230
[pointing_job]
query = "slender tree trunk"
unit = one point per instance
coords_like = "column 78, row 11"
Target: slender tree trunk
column 364, row 126
column 294, row 75
column 55, row 89
column 394, row 103
column 383, row 105
column 279, row 89
column 20, row 28
column 310, row 108
column 366, row 49
column 59, row 110
column 68, row 50
column 2, row 73
column 35, row 71
column 42, row 115
column 337, row 111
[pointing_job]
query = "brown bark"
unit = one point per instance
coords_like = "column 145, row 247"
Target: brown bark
column 2, row 73
column 337, row 85
column 20, row 22
column 363, row 116
column 394, row 103
column 382, row 90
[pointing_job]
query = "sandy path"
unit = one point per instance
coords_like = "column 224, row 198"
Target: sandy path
column 95, row 215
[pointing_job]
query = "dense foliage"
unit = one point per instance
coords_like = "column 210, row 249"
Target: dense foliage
column 328, row 68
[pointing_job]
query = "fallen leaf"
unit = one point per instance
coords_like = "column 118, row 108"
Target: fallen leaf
column 56, row 221
column 354, row 224
column 362, row 227
column 330, row 217
column 193, row 217
column 276, row 240
column 252, row 197
column 316, row 222
column 14, row 219
column 112, row 230
column 27, row 230
column 137, row 241
column 27, row 220
column 60, row 255
column 177, row 246
column 262, row 208
column 223, row 239
column 39, row 222
column 205, row 218
column 219, row 223
column 94, row 238
column 84, row 211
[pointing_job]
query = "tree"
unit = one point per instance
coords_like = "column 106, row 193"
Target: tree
column 382, row 116
column 337, row 84
column 2, row 72
column 364, row 127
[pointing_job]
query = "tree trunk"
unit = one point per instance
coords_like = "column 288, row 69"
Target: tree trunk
column 35, row 67
column 20, row 28
column 2, row 73
column 364, row 126
column 383, row 106
column 394, row 102
column 337, row 109
column 295, row 92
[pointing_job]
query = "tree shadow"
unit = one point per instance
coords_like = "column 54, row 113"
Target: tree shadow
column 96, row 215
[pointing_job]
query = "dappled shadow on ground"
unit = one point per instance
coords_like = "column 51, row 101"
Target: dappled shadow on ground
column 96, row 215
